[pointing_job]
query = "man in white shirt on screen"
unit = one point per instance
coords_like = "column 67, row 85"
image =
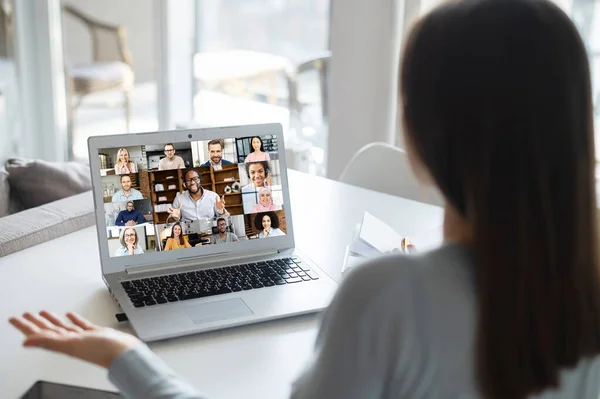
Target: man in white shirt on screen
column 197, row 203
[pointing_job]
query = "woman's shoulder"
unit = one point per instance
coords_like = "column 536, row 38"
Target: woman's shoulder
column 405, row 273
column 374, row 275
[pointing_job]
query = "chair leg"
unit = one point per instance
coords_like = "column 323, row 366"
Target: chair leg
column 127, row 109
column 71, row 131
column 73, row 103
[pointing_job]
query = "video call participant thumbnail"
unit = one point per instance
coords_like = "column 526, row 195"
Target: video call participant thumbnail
column 265, row 201
column 215, row 153
column 129, row 243
column 124, row 165
column 223, row 235
column 268, row 225
column 258, row 151
column 170, row 161
column 197, row 203
column 130, row 216
column 259, row 174
column 177, row 240
column 126, row 193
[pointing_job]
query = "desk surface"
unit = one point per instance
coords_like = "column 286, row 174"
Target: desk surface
column 258, row 361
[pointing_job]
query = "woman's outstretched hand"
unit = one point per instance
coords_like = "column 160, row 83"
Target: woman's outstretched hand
column 79, row 338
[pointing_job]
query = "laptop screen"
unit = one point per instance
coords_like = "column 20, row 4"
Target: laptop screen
column 191, row 194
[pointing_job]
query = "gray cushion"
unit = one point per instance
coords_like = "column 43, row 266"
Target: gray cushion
column 34, row 183
column 4, row 192
column 107, row 71
column 35, row 226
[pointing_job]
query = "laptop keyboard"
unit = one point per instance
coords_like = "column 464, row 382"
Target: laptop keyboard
column 199, row 284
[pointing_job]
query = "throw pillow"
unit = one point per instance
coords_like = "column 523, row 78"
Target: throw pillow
column 36, row 182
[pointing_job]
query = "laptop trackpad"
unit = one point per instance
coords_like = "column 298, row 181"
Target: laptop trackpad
column 218, row 310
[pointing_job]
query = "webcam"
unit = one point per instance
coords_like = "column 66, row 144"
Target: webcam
column 189, row 136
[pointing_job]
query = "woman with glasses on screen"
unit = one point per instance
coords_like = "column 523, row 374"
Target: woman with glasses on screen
column 258, row 151
column 129, row 243
column 124, row 165
column 496, row 108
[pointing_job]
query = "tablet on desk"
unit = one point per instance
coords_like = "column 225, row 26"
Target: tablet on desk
column 52, row 390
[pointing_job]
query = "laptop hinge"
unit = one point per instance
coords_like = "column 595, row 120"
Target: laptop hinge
column 196, row 261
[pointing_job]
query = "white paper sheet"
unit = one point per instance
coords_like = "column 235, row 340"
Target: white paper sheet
column 351, row 260
column 379, row 235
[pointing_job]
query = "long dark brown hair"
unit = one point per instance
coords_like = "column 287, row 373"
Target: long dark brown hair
column 496, row 102
column 181, row 239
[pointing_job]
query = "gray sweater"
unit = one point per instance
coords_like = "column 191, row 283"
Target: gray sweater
column 398, row 327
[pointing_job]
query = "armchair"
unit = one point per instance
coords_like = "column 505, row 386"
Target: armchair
column 111, row 67
column 320, row 64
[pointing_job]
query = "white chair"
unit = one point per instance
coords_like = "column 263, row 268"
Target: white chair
column 385, row 168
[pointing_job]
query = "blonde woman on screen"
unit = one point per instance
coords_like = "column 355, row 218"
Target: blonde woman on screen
column 124, row 165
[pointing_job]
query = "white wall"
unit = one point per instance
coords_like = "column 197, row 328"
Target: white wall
column 135, row 15
column 365, row 45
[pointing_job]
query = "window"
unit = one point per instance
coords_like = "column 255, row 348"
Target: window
column 586, row 15
column 245, row 51
column 128, row 102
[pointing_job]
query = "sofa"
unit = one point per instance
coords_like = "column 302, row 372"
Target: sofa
column 41, row 200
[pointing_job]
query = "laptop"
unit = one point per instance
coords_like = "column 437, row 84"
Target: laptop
column 195, row 230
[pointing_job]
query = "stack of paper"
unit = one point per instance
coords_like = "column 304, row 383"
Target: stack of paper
column 373, row 237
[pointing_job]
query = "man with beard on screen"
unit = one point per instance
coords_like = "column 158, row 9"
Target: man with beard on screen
column 215, row 153
column 197, row 203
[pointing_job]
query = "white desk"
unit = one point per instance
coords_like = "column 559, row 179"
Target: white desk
column 257, row 361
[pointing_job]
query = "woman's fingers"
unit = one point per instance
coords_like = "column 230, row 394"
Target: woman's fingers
column 81, row 322
column 56, row 320
column 25, row 326
column 41, row 322
column 49, row 341
column 35, row 336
